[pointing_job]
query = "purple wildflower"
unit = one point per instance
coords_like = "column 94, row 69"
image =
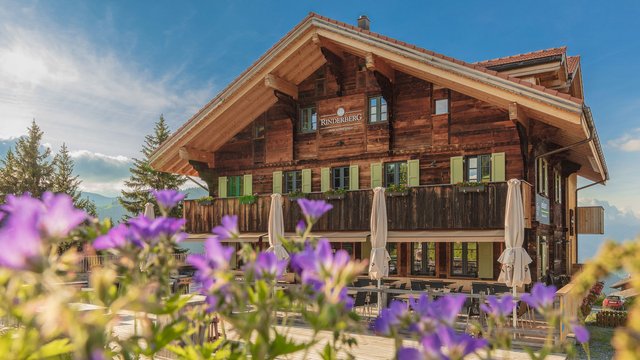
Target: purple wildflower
column 301, row 227
column 408, row 353
column 541, row 296
column 457, row 345
column 498, row 307
column 228, row 229
column 60, row 216
column 581, row 333
column 443, row 310
column 390, row 317
column 20, row 238
column 216, row 258
column 167, row 199
column 115, row 238
column 267, row 266
column 144, row 230
column 314, row 209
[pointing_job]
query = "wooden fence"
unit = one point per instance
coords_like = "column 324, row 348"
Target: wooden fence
column 93, row 261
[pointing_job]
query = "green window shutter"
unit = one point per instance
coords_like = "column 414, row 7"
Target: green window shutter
column 485, row 260
column 325, row 179
column 457, row 169
column 354, row 178
column 277, row 182
column 306, row 180
column 248, row 184
column 376, row 175
column 222, row 186
column 413, row 172
column 497, row 167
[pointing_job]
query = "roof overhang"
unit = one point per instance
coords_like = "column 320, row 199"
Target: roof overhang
column 297, row 55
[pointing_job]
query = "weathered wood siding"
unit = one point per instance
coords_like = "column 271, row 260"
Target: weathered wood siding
column 424, row 208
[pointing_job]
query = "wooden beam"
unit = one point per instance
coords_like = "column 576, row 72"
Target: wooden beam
column 374, row 63
column 191, row 154
column 517, row 115
column 324, row 43
column 281, row 85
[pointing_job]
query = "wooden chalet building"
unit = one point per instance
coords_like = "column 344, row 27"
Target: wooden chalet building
column 335, row 106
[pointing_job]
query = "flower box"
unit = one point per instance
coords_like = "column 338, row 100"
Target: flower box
column 397, row 193
column 467, row 189
column 334, row 196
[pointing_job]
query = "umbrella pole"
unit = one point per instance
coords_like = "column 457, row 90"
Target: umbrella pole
column 515, row 310
column 379, row 296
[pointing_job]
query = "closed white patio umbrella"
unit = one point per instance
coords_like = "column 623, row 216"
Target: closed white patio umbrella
column 379, row 261
column 149, row 211
column 514, row 259
column 276, row 228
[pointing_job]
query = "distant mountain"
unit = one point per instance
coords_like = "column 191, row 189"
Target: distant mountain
column 108, row 206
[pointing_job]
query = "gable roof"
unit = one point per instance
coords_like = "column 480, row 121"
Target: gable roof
column 534, row 55
column 572, row 63
column 298, row 54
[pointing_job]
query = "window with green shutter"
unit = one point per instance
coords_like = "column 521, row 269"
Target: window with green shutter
column 376, row 175
column 413, row 172
column 464, row 259
column 354, row 178
column 235, row 186
column 325, row 179
column 340, row 178
column 395, row 173
column 277, row 182
column 498, row 167
column 306, row 180
column 293, row 181
column 456, row 164
column 222, row 187
column 248, row 185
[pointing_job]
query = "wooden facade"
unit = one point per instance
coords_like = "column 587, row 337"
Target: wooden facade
column 372, row 109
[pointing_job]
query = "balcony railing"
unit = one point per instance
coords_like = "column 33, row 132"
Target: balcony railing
column 436, row 207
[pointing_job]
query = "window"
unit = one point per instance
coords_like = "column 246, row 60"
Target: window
column 423, row 258
column 395, row 173
column 557, row 184
column 464, row 259
column 292, row 181
column 340, row 178
column 478, row 168
column 377, row 109
column 392, row 248
column 235, row 186
column 320, row 80
column 353, row 249
column 542, row 177
column 308, row 120
column 258, row 129
column 442, row 106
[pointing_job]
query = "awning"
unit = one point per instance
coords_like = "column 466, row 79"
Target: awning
column 447, row 236
column 243, row 237
column 627, row 293
column 338, row 236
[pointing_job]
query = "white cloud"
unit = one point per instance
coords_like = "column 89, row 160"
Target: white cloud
column 81, row 93
column 628, row 142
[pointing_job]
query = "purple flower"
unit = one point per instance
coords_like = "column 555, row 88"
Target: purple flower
column 267, row 266
column 314, row 209
column 408, row 353
column 228, row 229
column 115, row 238
column 541, row 296
column 20, row 238
column 210, row 269
column 301, row 227
column 391, row 317
column 443, row 310
column 167, row 199
column 60, row 216
column 498, row 307
column 581, row 333
column 457, row 345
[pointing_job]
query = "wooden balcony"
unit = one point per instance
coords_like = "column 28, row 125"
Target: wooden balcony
column 438, row 207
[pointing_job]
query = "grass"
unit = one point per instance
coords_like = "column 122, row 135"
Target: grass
column 599, row 344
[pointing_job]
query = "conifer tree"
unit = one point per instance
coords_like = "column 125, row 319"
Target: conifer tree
column 27, row 169
column 64, row 181
column 144, row 178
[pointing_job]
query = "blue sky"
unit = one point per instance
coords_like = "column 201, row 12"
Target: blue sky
column 96, row 75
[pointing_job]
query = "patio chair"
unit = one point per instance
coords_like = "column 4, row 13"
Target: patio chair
column 418, row 285
column 360, row 301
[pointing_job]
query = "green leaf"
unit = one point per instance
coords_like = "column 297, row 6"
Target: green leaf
column 54, row 348
column 282, row 346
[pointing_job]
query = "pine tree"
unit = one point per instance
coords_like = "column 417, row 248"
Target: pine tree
column 144, row 178
column 64, row 181
column 28, row 169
